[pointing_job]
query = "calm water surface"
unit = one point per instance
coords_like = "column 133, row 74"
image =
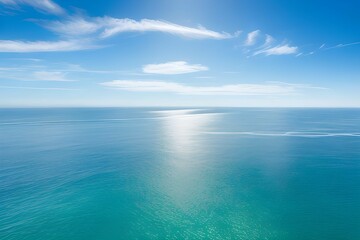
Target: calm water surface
column 150, row 173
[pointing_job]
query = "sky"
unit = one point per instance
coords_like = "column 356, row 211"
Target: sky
column 245, row 53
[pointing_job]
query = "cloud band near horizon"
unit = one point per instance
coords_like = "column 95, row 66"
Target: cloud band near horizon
column 231, row 89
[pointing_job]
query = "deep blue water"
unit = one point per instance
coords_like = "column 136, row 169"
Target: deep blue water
column 152, row 173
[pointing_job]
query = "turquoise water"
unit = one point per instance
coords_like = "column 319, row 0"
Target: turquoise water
column 151, row 173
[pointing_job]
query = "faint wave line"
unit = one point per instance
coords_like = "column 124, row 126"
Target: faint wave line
column 288, row 134
column 177, row 111
column 99, row 120
column 72, row 121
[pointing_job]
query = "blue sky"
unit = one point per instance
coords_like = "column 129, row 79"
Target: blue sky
column 179, row 53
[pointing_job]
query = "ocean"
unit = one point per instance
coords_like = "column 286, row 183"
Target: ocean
column 179, row 173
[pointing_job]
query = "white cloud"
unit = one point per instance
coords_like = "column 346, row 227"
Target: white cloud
column 83, row 30
column 47, row 6
column 111, row 26
column 115, row 26
column 267, row 46
column 178, row 67
column 50, row 76
column 252, row 37
column 237, row 33
column 10, row 69
column 43, row 46
column 35, row 73
column 268, row 40
column 233, row 89
column 26, row 75
column 28, row 59
column 39, row 88
column 341, row 45
column 278, row 50
column 73, row 26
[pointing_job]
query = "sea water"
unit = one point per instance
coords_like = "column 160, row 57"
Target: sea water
column 179, row 173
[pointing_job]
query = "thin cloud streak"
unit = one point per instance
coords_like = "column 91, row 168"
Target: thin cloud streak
column 81, row 34
column 24, row 74
column 284, row 49
column 73, row 26
column 28, row 69
column 115, row 26
column 108, row 26
column 252, row 37
column 44, row 46
column 341, row 45
column 39, row 88
column 177, row 67
column 46, row 6
column 257, row 43
column 51, row 76
column 231, row 89
column 268, row 40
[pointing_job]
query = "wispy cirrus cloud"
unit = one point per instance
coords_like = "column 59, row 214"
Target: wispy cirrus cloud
column 283, row 49
column 10, row 69
column 44, row 46
column 252, row 37
column 46, row 6
column 50, row 76
column 45, row 68
column 109, row 26
column 73, row 26
column 81, row 33
column 25, row 75
column 177, row 67
column 30, row 72
column 325, row 47
column 39, row 88
column 268, row 40
column 114, row 26
column 341, row 45
column 257, row 43
column 231, row 89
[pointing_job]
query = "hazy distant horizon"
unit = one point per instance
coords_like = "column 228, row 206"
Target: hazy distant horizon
column 170, row 106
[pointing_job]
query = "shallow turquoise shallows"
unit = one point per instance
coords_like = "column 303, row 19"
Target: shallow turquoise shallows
column 155, row 173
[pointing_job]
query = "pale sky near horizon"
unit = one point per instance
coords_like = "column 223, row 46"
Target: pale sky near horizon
column 179, row 53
